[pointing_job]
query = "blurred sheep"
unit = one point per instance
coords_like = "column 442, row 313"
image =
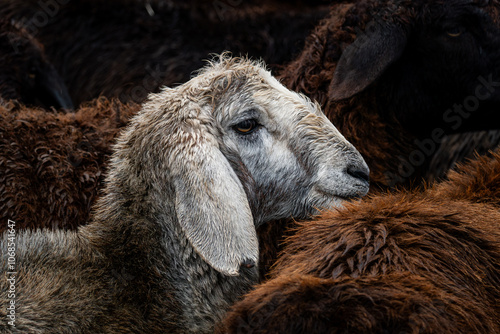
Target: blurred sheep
column 25, row 73
column 127, row 49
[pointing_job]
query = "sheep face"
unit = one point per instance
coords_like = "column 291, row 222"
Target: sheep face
column 229, row 150
column 288, row 156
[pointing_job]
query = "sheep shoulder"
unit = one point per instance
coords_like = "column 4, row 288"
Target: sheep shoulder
column 40, row 270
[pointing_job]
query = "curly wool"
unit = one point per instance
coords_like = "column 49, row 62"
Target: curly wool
column 52, row 164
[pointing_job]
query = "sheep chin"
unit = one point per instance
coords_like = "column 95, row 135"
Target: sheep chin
column 324, row 200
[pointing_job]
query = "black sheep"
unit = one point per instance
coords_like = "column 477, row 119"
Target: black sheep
column 25, row 73
column 396, row 76
column 460, row 147
column 127, row 49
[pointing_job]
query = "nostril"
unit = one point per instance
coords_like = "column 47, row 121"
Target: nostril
column 247, row 263
column 358, row 173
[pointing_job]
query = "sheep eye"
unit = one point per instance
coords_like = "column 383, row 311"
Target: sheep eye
column 455, row 32
column 246, row 127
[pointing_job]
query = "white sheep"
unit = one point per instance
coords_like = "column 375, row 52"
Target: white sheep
column 172, row 243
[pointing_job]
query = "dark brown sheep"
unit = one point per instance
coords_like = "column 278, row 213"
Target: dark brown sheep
column 413, row 262
column 51, row 164
column 396, row 303
column 25, row 73
column 433, row 69
column 395, row 76
column 127, row 49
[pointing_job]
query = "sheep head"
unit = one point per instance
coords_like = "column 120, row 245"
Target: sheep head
column 231, row 149
column 441, row 57
column 394, row 74
column 26, row 74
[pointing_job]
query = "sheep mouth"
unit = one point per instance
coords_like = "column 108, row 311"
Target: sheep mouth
column 333, row 195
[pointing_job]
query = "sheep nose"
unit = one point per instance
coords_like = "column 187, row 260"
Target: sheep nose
column 248, row 263
column 359, row 172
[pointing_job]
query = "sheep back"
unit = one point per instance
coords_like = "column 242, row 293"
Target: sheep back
column 394, row 303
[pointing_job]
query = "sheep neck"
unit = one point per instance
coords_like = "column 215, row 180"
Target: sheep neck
column 148, row 252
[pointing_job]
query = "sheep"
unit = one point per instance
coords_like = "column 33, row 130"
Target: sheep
column 172, row 242
column 404, row 262
column 52, row 164
column 394, row 303
column 25, row 73
column 52, row 167
column 395, row 76
column 126, row 49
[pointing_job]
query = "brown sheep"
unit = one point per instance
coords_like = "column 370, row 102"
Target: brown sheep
column 396, row 75
column 393, row 304
column 25, row 73
column 51, row 164
column 412, row 262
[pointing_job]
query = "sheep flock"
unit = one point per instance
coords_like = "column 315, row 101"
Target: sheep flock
column 258, row 166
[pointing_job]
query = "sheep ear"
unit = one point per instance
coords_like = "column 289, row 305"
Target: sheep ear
column 366, row 59
column 212, row 207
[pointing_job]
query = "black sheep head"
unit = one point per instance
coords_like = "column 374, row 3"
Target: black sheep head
column 435, row 63
column 25, row 73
